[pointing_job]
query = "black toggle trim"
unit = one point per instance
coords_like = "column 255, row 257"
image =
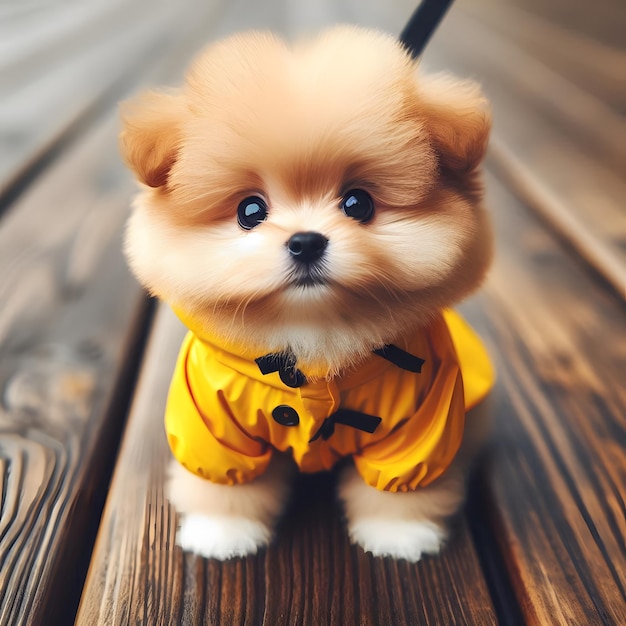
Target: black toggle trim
column 269, row 363
column 283, row 363
column 347, row 417
column 401, row 358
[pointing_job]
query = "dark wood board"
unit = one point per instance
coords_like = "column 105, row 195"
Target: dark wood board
column 68, row 340
column 604, row 21
column 555, row 478
column 557, row 144
column 72, row 322
column 592, row 64
column 310, row 575
column 63, row 66
column 552, row 489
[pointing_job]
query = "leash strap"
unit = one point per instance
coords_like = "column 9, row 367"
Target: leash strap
column 422, row 25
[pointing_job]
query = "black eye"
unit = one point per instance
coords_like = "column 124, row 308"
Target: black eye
column 358, row 205
column 251, row 212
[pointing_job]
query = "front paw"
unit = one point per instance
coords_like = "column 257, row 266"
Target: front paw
column 397, row 538
column 222, row 537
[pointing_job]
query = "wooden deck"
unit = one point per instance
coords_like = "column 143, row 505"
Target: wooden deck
column 86, row 535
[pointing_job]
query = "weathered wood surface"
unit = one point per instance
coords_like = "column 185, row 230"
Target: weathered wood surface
column 64, row 64
column 557, row 139
column 555, row 480
column 543, row 538
column 554, row 486
column 71, row 325
column 66, row 339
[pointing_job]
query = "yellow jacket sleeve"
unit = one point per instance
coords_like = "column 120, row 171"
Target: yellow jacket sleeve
column 476, row 368
column 421, row 450
column 203, row 436
column 424, row 446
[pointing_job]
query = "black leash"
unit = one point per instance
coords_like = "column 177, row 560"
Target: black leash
column 422, row 25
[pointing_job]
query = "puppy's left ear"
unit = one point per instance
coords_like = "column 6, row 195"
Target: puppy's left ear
column 458, row 119
column 150, row 138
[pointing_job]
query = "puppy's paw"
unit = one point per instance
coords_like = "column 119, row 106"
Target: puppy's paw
column 222, row 537
column 399, row 539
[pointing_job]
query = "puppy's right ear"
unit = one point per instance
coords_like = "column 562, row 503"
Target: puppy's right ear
column 150, row 138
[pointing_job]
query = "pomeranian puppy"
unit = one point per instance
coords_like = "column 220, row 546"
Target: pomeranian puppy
column 311, row 212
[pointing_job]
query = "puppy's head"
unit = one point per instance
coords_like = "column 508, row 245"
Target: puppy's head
column 323, row 198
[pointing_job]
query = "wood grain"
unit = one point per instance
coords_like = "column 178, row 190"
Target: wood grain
column 310, row 575
column 545, row 130
column 556, row 478
column 528, row 186
column 566, row 104
column 79, row 61
column 604, row 23
column 590, row 63
column 65, row 351
column 71, row 327
column 548, row 517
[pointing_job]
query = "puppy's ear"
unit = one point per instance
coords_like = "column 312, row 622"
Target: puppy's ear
column 150, row 137
column 458, row 119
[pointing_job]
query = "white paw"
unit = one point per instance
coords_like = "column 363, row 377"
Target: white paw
column 399, row 539
column 222, row 537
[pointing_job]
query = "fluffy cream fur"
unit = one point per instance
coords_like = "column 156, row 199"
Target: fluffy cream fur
column 222, row 522
column 300, row 126
column 412, row 524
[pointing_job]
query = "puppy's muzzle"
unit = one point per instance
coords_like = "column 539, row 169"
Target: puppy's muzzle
column 307, row 247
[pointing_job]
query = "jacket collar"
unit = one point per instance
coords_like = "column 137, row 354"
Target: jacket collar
column 250, row 363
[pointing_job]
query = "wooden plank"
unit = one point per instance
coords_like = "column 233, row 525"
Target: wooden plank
column 570, row 106
column 77, row 63
column 591, row 64
column 550, row 166
column 37, row 37
column 66, row 333
column 71, row 326
column 528, row 186
column 310, row 575
column 556, row 477
column 602, row 21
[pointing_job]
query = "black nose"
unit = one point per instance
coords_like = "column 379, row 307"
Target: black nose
column 307, row 247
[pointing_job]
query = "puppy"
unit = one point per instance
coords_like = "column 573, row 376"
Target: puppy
column 311, row 213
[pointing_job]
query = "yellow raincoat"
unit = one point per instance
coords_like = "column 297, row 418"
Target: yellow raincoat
column 400, row 415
